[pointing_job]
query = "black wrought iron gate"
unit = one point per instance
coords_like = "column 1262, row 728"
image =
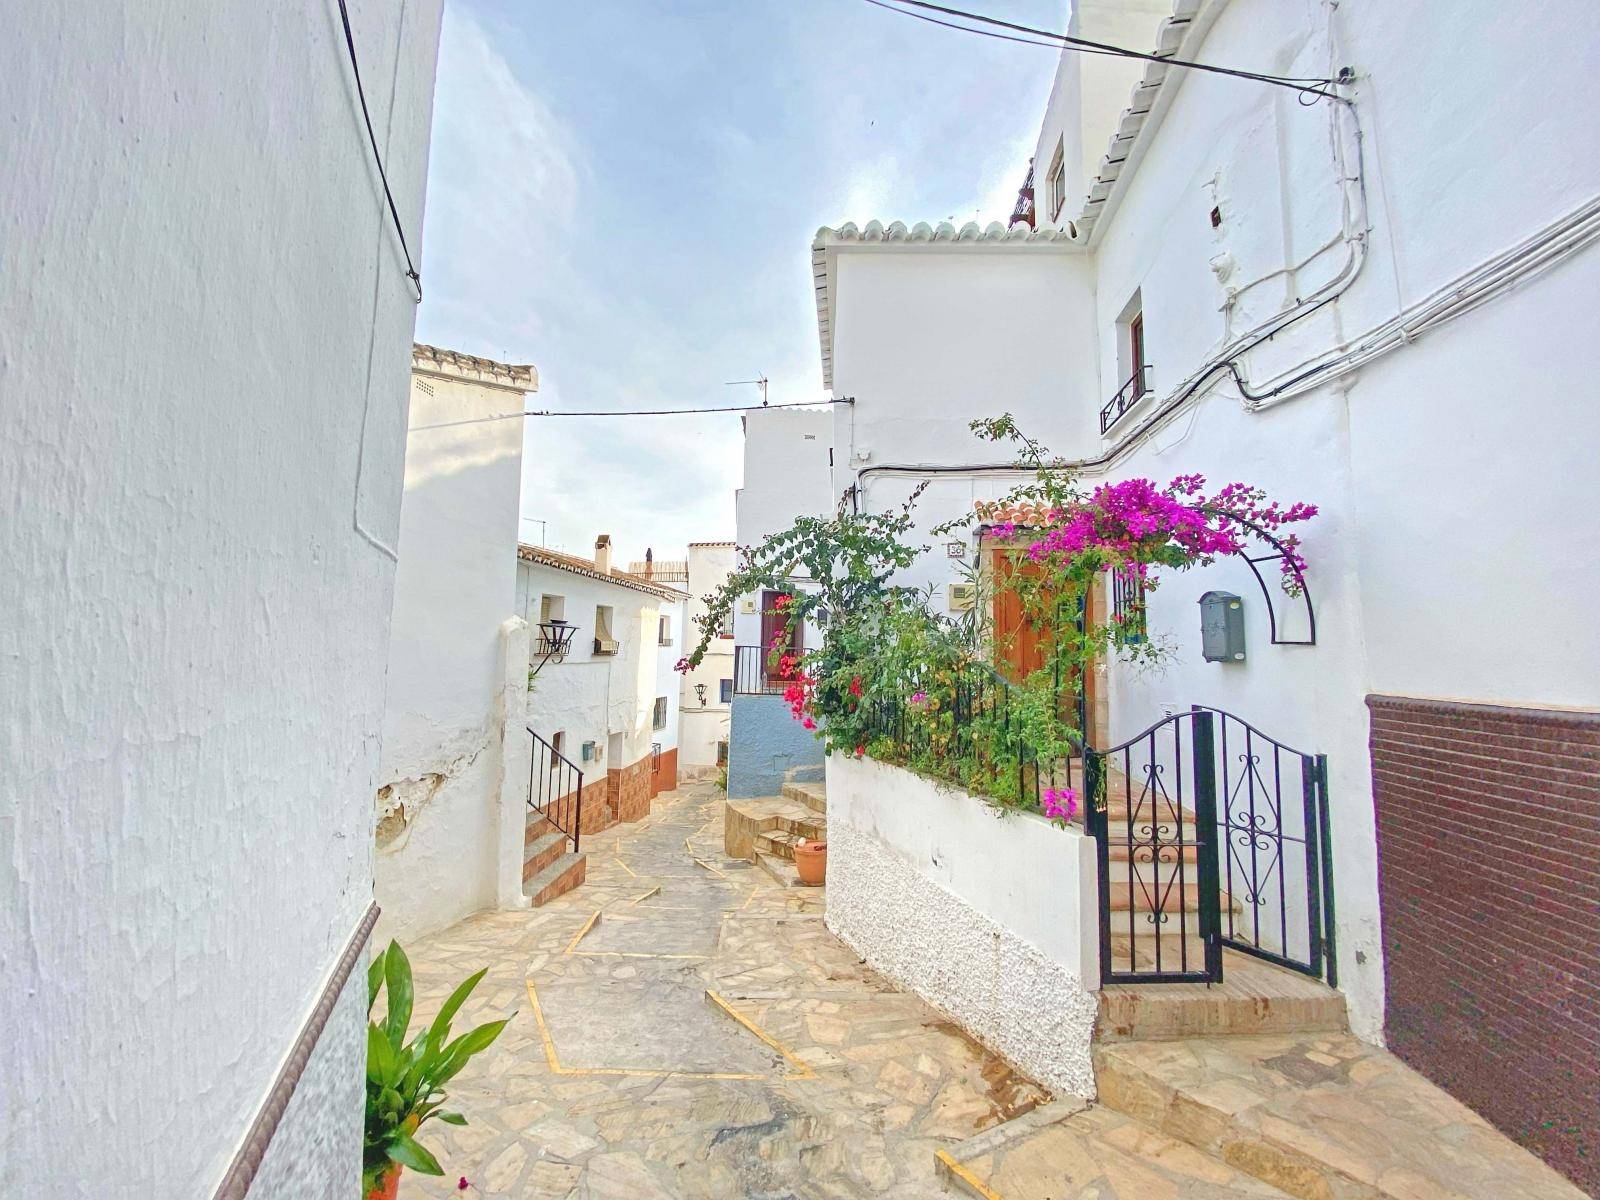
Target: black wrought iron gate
column 1209, row 833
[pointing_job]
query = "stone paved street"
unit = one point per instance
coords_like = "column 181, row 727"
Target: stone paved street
column 687, row 1027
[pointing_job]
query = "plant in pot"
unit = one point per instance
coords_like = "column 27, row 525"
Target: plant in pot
column 405, row 1079
column 811, row 861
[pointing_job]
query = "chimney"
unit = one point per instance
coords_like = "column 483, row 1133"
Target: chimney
column 602, row 553
column 649, row 563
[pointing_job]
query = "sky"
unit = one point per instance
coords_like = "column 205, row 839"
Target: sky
column 624, row 192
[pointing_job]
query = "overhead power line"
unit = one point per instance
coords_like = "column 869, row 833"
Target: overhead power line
column 1308, row 84
column 372, row 140
column 675, row 412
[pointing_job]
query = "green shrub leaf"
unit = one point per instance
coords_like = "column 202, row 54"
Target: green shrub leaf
column 397, row 978
column 408, row 1152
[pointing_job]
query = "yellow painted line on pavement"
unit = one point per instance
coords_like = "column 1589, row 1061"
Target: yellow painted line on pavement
column 578, row 937
column 557, row 1068
column 966, row 1176
column 800, row 1069
column 627, row 868
column 655, row 891
column 700, row 862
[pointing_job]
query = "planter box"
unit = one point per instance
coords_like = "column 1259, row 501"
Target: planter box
column 991, row 919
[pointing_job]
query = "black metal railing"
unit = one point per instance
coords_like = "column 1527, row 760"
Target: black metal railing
column 555, row 788
column 1127, row 396
column 967, row 717
column 755, row 673
column 1127, row 603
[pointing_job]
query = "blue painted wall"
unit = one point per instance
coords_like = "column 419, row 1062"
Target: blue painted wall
column 764, row 743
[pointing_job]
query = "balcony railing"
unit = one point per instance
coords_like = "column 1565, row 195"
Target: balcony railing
column 753, row 676
column 1127, row 396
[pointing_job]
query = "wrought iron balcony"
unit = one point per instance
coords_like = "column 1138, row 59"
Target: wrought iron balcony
column 1127, row 396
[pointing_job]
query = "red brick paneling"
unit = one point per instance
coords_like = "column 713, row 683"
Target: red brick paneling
column 665, row 776
column 629, row 790
column 1489, row 876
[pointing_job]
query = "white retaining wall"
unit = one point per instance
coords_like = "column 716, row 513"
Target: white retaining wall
column 990, row 919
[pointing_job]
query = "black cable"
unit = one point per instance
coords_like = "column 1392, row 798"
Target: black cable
column 350, row 44
column 1004, row 37
column 1303, row 85
column 673, row 412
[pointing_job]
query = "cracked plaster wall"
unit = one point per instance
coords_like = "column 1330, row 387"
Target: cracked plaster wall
column 991, row 921
column 437, row 815
column 204, row 338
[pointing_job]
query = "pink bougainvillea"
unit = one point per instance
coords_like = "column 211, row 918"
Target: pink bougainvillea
column 1059, row 804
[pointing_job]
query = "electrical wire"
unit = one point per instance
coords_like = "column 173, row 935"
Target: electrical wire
column 675, row 412
column 372, row 140
column 989, row 33
column 1318, row 88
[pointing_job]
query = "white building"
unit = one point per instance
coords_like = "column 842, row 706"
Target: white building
column 205, row 325
column 453, row 737
column 1364, row 306
column 707, row 691
column 609, row 704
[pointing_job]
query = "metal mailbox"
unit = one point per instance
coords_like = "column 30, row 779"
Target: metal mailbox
column 1222, row 627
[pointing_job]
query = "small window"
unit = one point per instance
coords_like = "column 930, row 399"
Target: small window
column 604, row 642
column 552, row 608
column 658, row 719
column 1058, row 183
column 727, row 691
column 725, row 629
column 722, row 754
column 664, row 631
column 558, row 740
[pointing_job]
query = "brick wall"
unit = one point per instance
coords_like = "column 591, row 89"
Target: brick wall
column 629, row 790
column 665, row 776
column 1489, row 877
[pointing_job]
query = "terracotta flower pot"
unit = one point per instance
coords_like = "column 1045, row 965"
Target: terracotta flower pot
column 811, row 860
column 388, row 1186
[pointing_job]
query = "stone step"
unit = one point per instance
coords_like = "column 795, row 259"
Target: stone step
column 777, row 843
column 1253, row 998
column 541, row 852
column 559, row 878
column 812, row 825
column 780, row 869
column 744, row 820
column 814, row 795
column 1320, row 1116
column 1068, row 1149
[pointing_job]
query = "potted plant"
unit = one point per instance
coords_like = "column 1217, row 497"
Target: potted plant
column 405, row 1080
column 811, row 860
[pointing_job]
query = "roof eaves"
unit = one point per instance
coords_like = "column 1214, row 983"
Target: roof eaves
column 1178, row 37
column 587, row 568
column 945, row 234
column 452, row 364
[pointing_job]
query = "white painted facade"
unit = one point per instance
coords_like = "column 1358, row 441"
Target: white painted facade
column 1450, row 446
column 671, row 644
column 942, row 895
column 787, row 473
column 204, row 348
column 705, row 725
column 445, row 727
column 602, row 704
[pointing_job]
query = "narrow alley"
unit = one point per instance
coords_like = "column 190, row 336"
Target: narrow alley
column 687, row 1027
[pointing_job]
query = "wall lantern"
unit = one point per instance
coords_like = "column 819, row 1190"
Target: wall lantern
column 1222, row 627
column 700, row 693
column 555, row 639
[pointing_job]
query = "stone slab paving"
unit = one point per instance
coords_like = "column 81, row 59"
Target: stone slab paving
column 806, row 1076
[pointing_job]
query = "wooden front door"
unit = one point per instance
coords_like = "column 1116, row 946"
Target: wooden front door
column 772, row 623
column 1022, row 647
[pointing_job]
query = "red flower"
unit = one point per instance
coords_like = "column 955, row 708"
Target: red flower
column 855, row 686
column 462, row 1184
column 860, row 751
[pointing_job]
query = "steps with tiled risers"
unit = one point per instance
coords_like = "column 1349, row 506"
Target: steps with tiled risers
column 559, row 878
column 541, row 852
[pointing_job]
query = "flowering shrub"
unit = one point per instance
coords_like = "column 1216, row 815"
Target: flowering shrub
column 898, row 680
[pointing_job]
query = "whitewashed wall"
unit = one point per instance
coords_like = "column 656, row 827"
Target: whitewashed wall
column 668, row 682
column 591, row 697
column 440, row 771
column 204, row 346
column 703, row 726
column 992, row 920
column 1451, row 473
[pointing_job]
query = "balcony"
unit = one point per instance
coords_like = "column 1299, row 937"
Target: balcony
column 1135, row 390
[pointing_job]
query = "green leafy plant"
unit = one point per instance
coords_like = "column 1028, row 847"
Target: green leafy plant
column 405, row 1079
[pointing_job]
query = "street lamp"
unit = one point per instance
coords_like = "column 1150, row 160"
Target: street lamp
column 700, row 693
column 555, row 639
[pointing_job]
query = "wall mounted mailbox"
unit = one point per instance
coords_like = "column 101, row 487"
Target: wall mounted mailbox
column 1222, row 627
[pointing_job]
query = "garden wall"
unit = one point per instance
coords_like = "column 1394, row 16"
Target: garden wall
column 992, row 920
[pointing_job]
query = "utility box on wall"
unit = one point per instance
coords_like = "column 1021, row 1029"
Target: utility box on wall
column 1222, row 627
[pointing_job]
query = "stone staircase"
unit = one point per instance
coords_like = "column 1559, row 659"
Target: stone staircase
column 1248, row 1088
column 765, row 830
column 549, row 868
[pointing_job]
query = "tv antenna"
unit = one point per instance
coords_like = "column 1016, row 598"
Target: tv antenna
column 761, row 382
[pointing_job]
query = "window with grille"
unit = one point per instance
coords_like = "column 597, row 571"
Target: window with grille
column 658, row 719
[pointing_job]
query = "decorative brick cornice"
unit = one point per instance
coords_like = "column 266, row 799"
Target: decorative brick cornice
column 467, row 368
